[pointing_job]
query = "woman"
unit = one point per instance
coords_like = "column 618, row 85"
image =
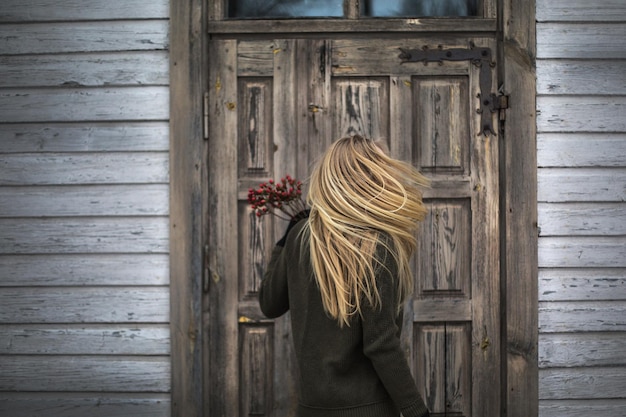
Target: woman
column 344, row 273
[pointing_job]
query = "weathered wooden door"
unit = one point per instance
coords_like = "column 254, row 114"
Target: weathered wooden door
column 273, row 106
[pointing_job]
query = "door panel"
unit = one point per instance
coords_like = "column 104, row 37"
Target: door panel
column 275, row 105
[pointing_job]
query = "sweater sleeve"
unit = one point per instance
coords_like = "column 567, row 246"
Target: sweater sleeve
column 381, row 343
column 273, row 294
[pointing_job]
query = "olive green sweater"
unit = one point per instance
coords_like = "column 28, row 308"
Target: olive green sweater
column 355, row 371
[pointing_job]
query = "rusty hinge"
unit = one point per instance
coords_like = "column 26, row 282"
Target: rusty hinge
column 500, row 104
column 205, row 116
column 479, row 57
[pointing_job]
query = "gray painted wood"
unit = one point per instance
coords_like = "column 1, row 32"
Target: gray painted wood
column 85, row 235
column 84, row 168
column 582, row 184
column 84, row 269
column 85, row 200
column 83, row 339
column 583, row 408
column 84, row 190
column 584, row 114
column 84, row 137
column 81, row 405
column 581, row 149
column 582, row 383
column 71, row 10
column 572, row 284
column 582, row 219
column 593, row 77
column 89, row 69
column 582, row 252
column 582, row 349
column 84, row 305
column 581, row 10
column 85, row 373
column 582, row 317
column 84, row 104
column 97, row 36
column 581, row 40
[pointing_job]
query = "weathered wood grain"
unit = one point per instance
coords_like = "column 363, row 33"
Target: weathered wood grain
column 565, row 40
column 84, row 168
column 580, row 10
column 584, row 114
column 24, row 305
column 581, row 185
column 80, row 405
column 84, row 269
column 84, row 235
column 582, row 349
column 97, row 36
column 581, row 149
column 583, row 408
column 81, row 200
column 80, row 339
column 85, row 373
column 84, row 137
column 84, row 104
column 93, row 70
column 582, row 316
column 582, row 219
column 571, row 284
column 592, row 77
column 582, row 383
column 582, row 252
column 71, row 10
column 294, row 26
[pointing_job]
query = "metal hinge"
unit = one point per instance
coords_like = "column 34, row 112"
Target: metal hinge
column 500, row 104
column 205, row 116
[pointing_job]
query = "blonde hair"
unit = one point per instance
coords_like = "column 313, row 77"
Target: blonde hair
column 359, row 198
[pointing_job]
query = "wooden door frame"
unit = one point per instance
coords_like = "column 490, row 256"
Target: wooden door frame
column 189, row 207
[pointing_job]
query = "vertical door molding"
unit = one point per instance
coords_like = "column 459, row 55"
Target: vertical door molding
column 519, row 210
column 187, row 162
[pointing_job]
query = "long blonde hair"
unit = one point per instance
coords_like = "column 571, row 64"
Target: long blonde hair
column 360, row 197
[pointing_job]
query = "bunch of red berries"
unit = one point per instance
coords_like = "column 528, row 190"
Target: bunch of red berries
column 284, row 195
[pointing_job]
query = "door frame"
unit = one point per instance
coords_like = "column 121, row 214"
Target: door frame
column 189, row 201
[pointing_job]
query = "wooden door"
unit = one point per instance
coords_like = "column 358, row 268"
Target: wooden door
column 274, row 105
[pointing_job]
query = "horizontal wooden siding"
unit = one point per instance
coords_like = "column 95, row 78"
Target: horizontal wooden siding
column 581, row 154
column 84, row 193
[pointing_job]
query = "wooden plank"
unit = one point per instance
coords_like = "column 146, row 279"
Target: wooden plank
column 362, row 25
column 60, row 10
column 84, row 235
column 84, row 269
column 84, row 305
column 580, row 10
column 93, row 70
column 92, row 200
column 85, row 373
column 582, row 349
column 97, row 36
column 74, row 339
column 84, row 137
column 564, row 40
column 584, row 114
column 80, row 405
column 84, row 104
column 84, row 168
column 582, row 383
column 570, row 284
column 518, row 208
column 580, row 77
column 188, row 202
column 583, row 408
column 582, row 219
column 581, row 149
column 582, row 316
column 581, row 185
column 582, row 252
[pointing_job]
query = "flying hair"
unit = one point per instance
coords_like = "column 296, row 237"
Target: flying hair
column 360, row 198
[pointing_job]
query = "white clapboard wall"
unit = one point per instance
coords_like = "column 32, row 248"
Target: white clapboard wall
column 84, row 269
column 581, row 99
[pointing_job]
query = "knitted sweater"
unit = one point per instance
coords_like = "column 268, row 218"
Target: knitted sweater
column 351, row 371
